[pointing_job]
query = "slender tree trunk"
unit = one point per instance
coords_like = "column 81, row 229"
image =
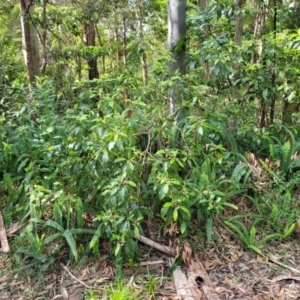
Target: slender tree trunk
column 124, row 44
column 238, row 34
column 90, row 40
column 273, row 97
column 101, row 44
column 141, row 39
column 116, row 36
column 203, row 4
column 44, row 37
column 259, row 27
column 29, row 41
column 176, row 45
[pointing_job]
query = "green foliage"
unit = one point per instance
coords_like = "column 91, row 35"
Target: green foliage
column 85, row 162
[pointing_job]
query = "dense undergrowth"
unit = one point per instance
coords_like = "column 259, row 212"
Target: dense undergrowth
column 79, row 173
column 83, row 163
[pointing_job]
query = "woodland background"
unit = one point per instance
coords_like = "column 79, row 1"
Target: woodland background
column 122, row 118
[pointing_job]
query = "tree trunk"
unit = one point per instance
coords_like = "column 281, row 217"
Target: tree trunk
column 116, row 37
column 124, row 44
column 238, row 34
column 203, row 4
column 176, row 45
column 259, row 26
column 141, row 39
column 101, row 44
column 29, row 41
column 273, row 98
column 90, row 40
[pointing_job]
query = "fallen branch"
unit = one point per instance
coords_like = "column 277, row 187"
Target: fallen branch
column 282, row 265
column 13, row 228
column 186, row 289
column 196, row 272
column 3, row 237
column 76, row 279
column 155, row 245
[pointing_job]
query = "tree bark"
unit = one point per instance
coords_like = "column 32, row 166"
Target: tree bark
column 203, row 4
column 29, row 41
column 176, row 45
column 238, row 34
column 90, row 36
column 141, row 39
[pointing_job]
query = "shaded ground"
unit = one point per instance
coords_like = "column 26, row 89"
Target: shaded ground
column 236, row 273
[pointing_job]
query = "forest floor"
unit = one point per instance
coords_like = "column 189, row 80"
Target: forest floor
column 234, row 272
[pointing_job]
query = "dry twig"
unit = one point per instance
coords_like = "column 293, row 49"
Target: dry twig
column 76, row 279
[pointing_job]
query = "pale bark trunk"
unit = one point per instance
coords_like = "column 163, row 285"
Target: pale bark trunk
column 29, row 41
column 176, row 45
column 101, row 44
column 116, row 37
column 203, row 4
column 124, row 44
column 141, row 39
column 238, row 34
column 44, row 37
column 259, row 26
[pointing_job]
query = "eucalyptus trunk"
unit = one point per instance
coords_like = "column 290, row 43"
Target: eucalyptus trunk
column 141, row 40
column 29, row 41
column 238, row 33
column 176, row 46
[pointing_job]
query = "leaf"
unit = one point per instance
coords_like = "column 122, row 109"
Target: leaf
column 71, row 242
column 209, row 229
column 117, row 250
column 252, row 235
column 233, row 206
column 183, row 227
column 254, row 248
column 57, row 213
column 79, row 213
column 9, row 187
column 96, row 237
column 200, row 131
column 54, row 225
column 289, row 231
column 50, row 129
column 163, row 190
column 52, row 237
column 242, row 235
column 268, row 237
column 22, row 164
column 286, row 157
column 185, row 209
column 175, row 214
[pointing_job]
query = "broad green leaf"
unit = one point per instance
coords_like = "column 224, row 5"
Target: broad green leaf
column 57, row 213
column 254, row 248
column 252, row 235
column 183, row 227
column 175, row 214
column 79, row 213
column 163, row 191
column 52, row 237
column 289, row 231
column 71, row 242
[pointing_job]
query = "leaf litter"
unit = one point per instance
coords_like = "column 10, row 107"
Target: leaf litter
column 233, row 273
